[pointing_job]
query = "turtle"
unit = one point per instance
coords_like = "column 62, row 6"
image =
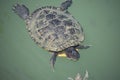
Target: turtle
column 54, row 29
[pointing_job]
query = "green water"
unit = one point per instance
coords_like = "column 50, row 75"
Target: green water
column 22, row 59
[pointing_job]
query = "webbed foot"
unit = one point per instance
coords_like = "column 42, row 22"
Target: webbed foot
column 65, row 5
column 53, row 59
column 21, row 10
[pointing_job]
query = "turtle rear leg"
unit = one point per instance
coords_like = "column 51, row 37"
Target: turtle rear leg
column 21, row 10
column 65, row 5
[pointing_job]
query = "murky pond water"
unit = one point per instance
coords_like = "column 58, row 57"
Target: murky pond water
column 22, row 59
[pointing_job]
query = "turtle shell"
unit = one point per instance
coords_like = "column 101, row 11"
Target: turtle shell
column 54, row 29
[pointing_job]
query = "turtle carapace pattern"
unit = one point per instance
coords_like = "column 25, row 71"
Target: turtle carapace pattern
column 54, row 29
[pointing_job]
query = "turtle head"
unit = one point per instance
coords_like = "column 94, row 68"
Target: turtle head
column 72, row 53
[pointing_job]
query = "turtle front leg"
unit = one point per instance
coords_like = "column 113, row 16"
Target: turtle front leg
column 65, row 5
column 83, row 46
column 53, row 59
column 21, row 10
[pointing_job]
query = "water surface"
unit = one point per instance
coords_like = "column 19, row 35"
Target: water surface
column 22, row 59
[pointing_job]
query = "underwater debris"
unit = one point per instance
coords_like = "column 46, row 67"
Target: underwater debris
column 78, row 76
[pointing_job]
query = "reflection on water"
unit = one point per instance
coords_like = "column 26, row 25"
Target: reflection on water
column 79, row 77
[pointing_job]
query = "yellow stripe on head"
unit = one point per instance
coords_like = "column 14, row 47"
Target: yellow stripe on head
column 63, row 54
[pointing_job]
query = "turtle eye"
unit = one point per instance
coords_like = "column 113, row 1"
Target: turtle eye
column 75, row 55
